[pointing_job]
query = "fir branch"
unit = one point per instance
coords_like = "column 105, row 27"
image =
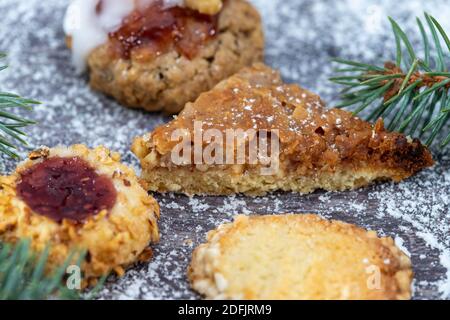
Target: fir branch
column 22, row 274
column 413, row 92
column 11, row 125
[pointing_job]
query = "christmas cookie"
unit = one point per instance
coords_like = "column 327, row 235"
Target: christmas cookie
column 298, row 257
column 161, row 54
column 254, row 134
column 74, row 198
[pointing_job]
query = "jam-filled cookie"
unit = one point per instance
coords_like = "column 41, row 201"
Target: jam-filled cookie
column 161, row 54
column 299, row 257
column 75, row 198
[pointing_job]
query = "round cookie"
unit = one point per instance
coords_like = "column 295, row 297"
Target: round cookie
column 75, row 198
column 298, row 257
column 168, row 80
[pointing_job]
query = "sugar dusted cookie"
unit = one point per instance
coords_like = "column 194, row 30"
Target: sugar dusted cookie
column 298, row 257
column 161, row 54
column 308, row 146
column 74, row 198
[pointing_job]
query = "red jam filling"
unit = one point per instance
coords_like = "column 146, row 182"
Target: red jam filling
column 66, row 188
column 156, row 29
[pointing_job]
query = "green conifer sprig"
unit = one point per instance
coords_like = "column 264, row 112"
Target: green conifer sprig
column 23, row 276
column 11, row 124
column 412, row 92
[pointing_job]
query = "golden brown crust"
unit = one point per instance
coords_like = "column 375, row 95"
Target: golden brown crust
column 171, row 80
column 298, row 257
column 113, row 239
column 315, row 143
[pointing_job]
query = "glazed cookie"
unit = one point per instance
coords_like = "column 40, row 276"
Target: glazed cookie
column 298, row 257
column 161, row 54
column 74, row 198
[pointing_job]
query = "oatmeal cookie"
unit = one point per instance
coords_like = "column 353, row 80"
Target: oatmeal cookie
column 162, row 57
column 298, row 257
column 74, row 198
column 318, row 148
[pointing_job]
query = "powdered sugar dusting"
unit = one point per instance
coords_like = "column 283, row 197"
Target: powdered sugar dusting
column 301, row 38
column 400, row 243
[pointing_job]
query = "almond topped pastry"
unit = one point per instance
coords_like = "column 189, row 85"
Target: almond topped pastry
column 299, row 257
column 74, row 198
column 161, row 54
column 254, row 134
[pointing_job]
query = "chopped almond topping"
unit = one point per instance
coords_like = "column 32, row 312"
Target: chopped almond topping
column 210, row 7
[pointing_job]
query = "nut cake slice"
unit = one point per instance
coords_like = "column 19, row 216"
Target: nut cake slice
column 317, row 148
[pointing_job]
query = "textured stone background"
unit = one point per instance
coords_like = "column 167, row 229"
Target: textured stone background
column 301, row 35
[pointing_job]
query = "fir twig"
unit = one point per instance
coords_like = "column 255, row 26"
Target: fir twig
column 412, row 91
column 22, row 275
column 11, row 125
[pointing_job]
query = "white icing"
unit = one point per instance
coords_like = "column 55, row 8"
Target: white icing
column 89, row 30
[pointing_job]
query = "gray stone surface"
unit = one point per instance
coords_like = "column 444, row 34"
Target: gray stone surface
column 301, row 37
